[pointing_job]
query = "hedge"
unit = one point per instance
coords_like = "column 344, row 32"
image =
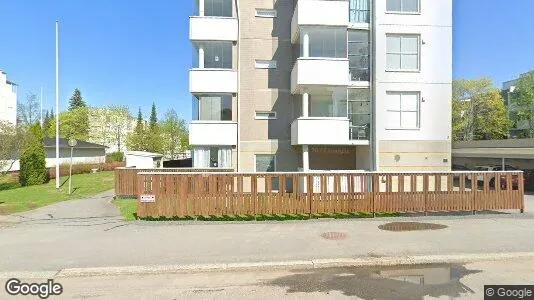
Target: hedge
column 83, row 168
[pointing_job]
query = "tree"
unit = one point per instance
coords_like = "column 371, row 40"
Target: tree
column 76, row 101
column 12, row 137
column 174, row 135
column 136, row 140
column 32, row 158
column 72, row 124
column 154, row 140
column 110, row 125
column 29, row 112
column 478, row 111
column 522, row 100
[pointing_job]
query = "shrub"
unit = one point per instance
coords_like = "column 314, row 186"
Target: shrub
column 33, row 158
column 115, row 157
column 83, row 168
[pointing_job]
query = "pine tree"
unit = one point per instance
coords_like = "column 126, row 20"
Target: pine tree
column 136, row 140
column 32, row 158
column 76, row 101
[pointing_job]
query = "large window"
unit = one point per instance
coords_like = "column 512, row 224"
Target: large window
column 359, row 11
column 212, row 157
column 403, row 6
column 325, row 42
column 265, row 163
column 403, row 110
column 359, row 101
column 217, row 8
column 215, row 107
column 359, row 55
column 331, row 102
column 217, row 55
column 402, row 52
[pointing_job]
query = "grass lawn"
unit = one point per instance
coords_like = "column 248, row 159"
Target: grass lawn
column 128, row 208
column 14, row 198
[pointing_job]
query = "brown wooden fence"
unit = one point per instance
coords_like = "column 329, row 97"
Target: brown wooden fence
column 196, row 194
column 126, row 178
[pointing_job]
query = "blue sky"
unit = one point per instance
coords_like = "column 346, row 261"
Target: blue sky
column 135, row 52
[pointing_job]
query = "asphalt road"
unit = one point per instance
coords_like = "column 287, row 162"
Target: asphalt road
column 459, row 281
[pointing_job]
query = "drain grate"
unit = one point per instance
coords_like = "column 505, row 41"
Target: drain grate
column 334, row 236
column 411, row 226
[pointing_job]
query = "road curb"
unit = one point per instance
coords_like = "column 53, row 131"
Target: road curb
column 296, row 264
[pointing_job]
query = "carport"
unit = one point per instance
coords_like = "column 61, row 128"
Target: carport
column 519, row 153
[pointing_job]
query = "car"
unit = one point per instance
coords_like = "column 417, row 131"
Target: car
column 497, row 168
column 460, row 168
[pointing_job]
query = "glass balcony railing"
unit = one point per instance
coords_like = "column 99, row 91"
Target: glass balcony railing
column 359, row 16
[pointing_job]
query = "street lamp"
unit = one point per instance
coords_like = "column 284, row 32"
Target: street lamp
column 72, row 144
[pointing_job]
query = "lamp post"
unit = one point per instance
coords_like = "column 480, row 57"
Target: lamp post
column 72, row 144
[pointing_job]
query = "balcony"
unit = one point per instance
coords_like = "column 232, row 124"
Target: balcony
column 319, row 12
column 320, row 131
column 318, row 71
column 213, row 133
column 213, row 29
column 212, row 81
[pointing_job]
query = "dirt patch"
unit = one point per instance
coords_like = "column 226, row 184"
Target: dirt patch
column 411, row 226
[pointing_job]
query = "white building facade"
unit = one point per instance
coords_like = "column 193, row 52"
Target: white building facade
column 322, row 85
column 8, row 100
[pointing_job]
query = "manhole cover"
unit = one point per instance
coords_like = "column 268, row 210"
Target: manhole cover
column 411, row 226
column 334, row 236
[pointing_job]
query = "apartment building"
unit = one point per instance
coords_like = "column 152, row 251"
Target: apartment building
column 287, row 85
column 8, row 99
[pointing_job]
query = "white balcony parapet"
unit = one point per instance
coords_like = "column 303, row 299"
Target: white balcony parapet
column 319, row 12
column 318, row 71
column 212, row 81
column 320, row 131
column 213, row 133
column 213, row 29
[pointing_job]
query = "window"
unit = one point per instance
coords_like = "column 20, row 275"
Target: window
column 402, row 52
column 359, row 101
column 325, row 42
column 403, row 6
column 403, row 110
column 265, row 163
column 265, row 64
column 359, row 11
column 217, row 8
column 359, row 55
column 328, row 102
column 217, row 55
column 265, row 115
column 215, row 108
column 265, row 13
column 212, row 157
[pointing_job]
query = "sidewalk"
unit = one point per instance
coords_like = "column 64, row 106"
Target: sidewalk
column 103, row 240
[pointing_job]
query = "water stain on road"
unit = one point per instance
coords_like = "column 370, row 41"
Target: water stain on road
column 404, row 282
column 411, row 226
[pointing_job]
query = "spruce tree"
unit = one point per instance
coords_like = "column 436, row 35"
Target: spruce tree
column 76, row 101
column 153, row 117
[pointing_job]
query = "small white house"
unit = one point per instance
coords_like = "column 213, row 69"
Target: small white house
column 143, row 160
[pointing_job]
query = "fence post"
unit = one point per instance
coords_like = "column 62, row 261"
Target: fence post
column 426, row 179
column 521, row 184
column 309, row 191
column 375, row 188
column 474, row 189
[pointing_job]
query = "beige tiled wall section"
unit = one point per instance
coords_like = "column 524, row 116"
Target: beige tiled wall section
column 414, row 156
column 266, row 89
